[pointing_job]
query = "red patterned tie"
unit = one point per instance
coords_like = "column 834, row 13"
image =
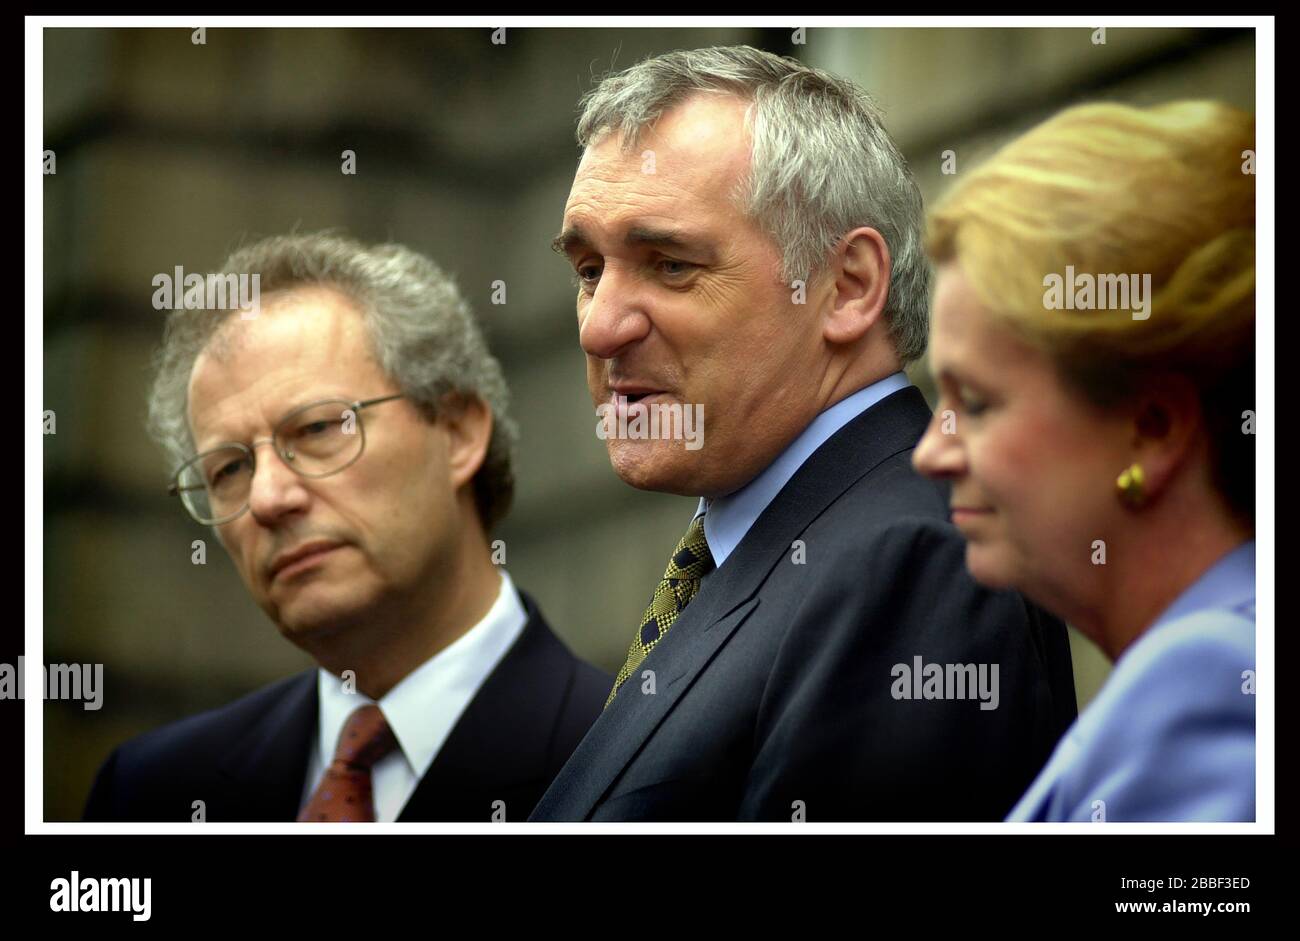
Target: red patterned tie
column 344, row 792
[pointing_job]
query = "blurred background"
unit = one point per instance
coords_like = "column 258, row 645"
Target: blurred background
column 171, row 153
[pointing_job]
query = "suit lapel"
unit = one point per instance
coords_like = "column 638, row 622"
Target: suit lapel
column 621, row 729
column 269, row 765
column 726, row 599
column 517, row 704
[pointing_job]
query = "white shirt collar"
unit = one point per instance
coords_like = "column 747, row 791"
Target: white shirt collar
column 423, row 708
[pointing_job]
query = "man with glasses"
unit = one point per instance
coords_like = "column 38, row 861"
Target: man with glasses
column 349, row 445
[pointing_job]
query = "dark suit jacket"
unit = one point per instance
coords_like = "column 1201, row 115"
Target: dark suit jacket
column 774, row 688
column 248, row 761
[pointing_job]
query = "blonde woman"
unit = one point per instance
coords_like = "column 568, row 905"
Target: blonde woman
column 1093, row 347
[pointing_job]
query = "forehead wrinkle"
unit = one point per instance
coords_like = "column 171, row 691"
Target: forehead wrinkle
column 691, row 173
column 611, row 194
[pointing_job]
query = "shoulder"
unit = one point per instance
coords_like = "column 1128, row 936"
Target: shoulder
column 1187, row 670
column 891, row 491
column 207, row 733
column 1171, row 735
column 895, row 585
column 539, row 642
column 580, row 688
column 898, row 587
column 187, row 750
column 861, row 553
column 891, row 513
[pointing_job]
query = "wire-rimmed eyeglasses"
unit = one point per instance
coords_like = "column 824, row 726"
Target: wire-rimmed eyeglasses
column 316, row 440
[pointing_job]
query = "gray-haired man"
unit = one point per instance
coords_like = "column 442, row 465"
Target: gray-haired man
column 746, row 242
column 350, row 445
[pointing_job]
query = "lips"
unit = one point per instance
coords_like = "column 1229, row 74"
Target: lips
column 621, row 399
column 306, row 551
column 633, row 391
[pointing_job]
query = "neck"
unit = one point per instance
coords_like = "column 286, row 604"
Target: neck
column 403, row 633
column 851, row 372
column 1158, row 559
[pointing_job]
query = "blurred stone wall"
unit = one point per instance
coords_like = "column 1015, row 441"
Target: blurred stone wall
column 171, row 153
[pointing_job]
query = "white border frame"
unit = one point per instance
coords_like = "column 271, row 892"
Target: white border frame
column 1266, row 426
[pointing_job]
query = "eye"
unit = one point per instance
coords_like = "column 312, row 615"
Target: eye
column 226, row 471
column 972, row 404
column 314, row 428
column 586, row 275
column 674, row 267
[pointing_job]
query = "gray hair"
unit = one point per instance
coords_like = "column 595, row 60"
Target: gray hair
column 421, row 333
column 822, row 163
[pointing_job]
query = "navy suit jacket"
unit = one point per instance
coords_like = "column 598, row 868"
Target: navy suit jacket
column 248, row 760
column 774, row 692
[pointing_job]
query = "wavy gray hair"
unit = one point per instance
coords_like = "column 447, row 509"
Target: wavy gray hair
column 822, row 163
column 421, row 331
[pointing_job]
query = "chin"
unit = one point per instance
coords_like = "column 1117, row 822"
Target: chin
column 301, row 629
column 988, row 567
column 647, row 465
column 302, row 619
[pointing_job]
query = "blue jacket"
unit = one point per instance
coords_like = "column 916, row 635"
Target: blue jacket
column 1171, row 735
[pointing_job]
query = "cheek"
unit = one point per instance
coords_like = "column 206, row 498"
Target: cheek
column 1016, row 462
column 240, row 548
column 755, row 352
column 381, row 496
column 1045, row 481
column 419, row 491
column 596, row 377
column 399, row 529
column 1000, row 459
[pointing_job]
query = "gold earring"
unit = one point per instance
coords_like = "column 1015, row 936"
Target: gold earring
column 1129, row 485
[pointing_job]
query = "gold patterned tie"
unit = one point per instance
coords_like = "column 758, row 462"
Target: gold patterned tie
column 691, row 561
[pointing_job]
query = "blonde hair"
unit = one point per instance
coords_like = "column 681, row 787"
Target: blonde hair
column 1109, row 189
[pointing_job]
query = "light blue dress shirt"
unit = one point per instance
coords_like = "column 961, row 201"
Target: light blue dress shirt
column 1171, row 734
column 729, row 518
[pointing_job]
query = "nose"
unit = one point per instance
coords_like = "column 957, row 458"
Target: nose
column 939, row 453
column 614, row 317
column 275, row 491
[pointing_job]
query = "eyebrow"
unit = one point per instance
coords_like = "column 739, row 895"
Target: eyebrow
column 574, row 237
column 302, row 402
column 955, row 377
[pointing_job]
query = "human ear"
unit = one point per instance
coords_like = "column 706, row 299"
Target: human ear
column 1167, row 422
column 468, row 421
column 861, row 266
